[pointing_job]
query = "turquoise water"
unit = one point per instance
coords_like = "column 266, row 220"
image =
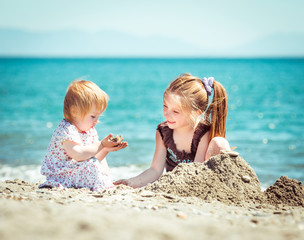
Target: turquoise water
column 265, row 116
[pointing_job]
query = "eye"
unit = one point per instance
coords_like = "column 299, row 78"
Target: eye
column 165, row 106
column 176, row 112
column 93, row 116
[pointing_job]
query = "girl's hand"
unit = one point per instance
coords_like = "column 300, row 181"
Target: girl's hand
column 106, row 142
column 109, row 147
column 126, row 182
column 122, row 145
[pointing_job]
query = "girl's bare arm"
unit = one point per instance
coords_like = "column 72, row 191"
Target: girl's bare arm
column 154, row 172
column 202, row 147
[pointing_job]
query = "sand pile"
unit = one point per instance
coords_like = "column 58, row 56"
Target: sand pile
column 230, row 180
column 286, row 191
column 227, row 179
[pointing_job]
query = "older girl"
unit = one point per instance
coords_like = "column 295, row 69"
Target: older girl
column 193, row 131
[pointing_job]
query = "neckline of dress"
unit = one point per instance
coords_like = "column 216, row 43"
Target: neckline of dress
column 183, row 152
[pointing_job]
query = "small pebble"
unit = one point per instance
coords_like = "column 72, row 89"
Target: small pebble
column 277, row 212
column 181, row 215
column 246, row 179
column 168, row 196
column 255, row 221
column 97, row 195
column 147, row 194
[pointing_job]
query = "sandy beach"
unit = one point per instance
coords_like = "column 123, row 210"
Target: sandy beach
column 218, row 199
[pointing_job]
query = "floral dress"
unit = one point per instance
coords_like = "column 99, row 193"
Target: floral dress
column 63, row 171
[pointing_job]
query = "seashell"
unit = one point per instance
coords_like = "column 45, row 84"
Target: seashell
column 246, row 179
column 116, row 139
column 223, row 151
column 232, row 153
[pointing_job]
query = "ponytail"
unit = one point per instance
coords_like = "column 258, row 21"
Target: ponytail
column 193, row 94
column 218, row 111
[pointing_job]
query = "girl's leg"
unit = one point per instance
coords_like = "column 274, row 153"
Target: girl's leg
column 216, row 145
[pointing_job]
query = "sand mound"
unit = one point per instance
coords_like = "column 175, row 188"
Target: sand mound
column 230, row 180
column 227, row 179
column 286, row 191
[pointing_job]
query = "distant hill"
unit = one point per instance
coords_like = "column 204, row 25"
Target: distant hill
column 275, row 45
column 78, row 43
column 74, row 43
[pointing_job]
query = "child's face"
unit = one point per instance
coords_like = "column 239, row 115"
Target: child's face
column 88, row 121
column 175, row 116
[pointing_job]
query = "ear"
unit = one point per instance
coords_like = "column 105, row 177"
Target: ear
column 74, row 110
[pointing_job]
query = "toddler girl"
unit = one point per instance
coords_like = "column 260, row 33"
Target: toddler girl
column 75, row 156
column 193, row 131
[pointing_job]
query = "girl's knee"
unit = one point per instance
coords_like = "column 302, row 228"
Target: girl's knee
column 216, row 145
column 220, row 143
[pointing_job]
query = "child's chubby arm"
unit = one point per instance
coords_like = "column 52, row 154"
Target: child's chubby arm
column 103, row 153
column 81, row 153
column 154, row 172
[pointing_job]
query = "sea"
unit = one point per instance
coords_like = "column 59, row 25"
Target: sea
column 265, row 109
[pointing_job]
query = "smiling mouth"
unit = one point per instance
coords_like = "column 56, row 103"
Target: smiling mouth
column 170, row 122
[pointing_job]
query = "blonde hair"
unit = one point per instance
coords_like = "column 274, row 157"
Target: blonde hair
column 82, row 95
column 192, row 96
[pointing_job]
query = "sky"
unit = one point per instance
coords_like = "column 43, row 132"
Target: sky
column 219, row 24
